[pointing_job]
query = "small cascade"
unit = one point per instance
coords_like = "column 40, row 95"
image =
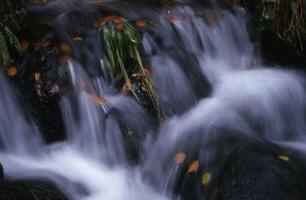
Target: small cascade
column 214, row 92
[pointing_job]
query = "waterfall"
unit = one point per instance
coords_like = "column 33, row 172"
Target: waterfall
column 210, row 85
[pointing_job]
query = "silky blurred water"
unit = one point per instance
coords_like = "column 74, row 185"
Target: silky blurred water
column 207, row 78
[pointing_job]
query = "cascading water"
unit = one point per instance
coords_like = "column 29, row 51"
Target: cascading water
column 210, row 85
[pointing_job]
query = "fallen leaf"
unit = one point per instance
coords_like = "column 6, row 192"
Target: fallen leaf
column 141, row 22
column 77, row 38
column 99, row 100
column 114, row 19
column 37, row 76
column 284, row 158
column 205, row 179
column 179, row 158
column 120, row 27
column 98, row 24
column 25, row 44
column 12, row 71
column 194, row 166
column 65, row 48
column 127, row 86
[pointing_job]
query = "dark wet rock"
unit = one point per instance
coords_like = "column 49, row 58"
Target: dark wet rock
column 18, row 190
column 38, row 82
column 256, row 173
column 1, row 172
column 241, row 168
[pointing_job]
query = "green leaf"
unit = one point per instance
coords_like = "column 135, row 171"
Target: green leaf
column 4, row 52
column 13, row 41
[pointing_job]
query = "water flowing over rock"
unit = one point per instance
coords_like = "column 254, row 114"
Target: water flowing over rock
column 222, row 109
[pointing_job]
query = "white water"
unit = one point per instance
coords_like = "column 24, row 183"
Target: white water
column 253, row 99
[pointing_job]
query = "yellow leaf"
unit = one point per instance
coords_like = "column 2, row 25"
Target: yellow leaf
column 77, row 38
column 284, row 158
column 206, row 177
column 194, row 166
column 179, row 158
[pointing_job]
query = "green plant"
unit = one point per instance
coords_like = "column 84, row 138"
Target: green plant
column 122, row 44
column 8, row 41
column 285, row 18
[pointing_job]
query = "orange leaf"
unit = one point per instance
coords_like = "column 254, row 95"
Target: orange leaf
column 120, row 27
column 179, row 158
column 99, row 100
column 98, row 24
column 25, row 44
column 12, row 71
column 194, row 166
column 127, row 86
column 65, row 48
column 37, row 76
column 141, row 22
column 114, row 19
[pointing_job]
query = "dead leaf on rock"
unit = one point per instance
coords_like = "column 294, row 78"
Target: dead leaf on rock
column 25, row 44
column 77, row 38
column 127, row 86
column 205, row 179
column 120, row 27
column 284, row 158
column 98, row 100
column 12, row 71
column 194, row 166
column 37, row 76
column 141, row 22
column 65, row 48
column 179, row 158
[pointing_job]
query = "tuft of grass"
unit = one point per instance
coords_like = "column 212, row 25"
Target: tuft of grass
column 8, row 41
column 123, row 46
